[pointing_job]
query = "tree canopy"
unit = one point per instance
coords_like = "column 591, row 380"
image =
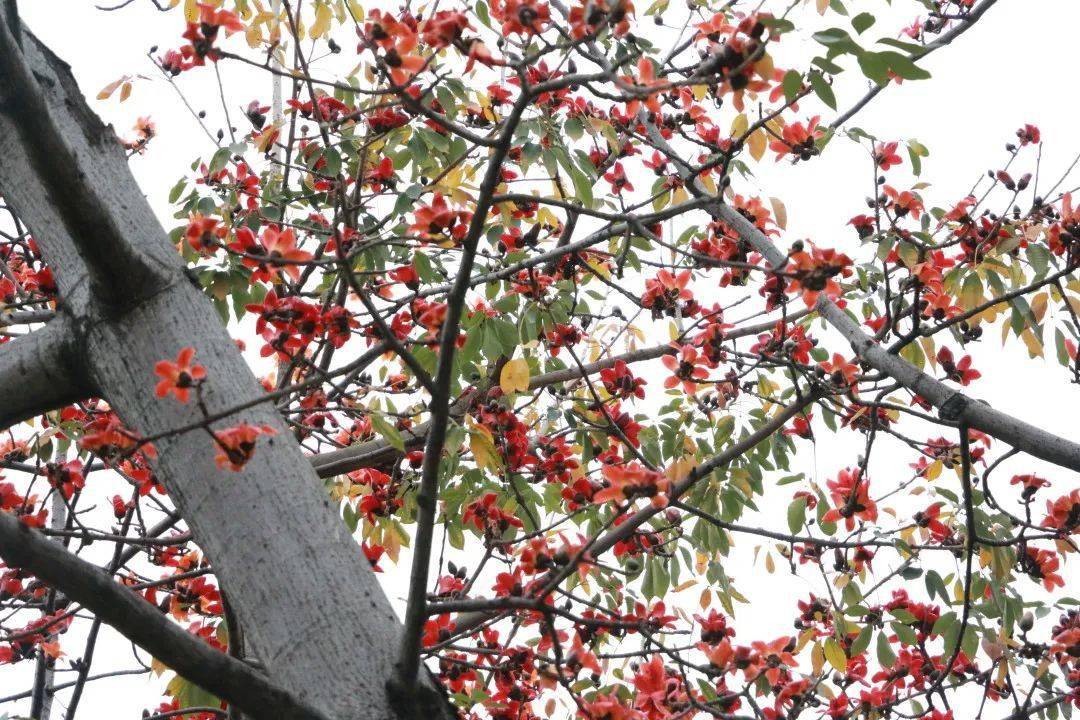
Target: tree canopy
column 474, row 314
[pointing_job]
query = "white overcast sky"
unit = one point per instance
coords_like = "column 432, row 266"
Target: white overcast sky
column 1017, row 66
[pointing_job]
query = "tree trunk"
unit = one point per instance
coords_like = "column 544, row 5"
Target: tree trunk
column 311, row 606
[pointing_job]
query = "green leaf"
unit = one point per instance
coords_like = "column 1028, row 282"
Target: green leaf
column 178, row 188
column 792, row 83
column 827, row 65
column 875, row 67
column 574, row 128
column 388, row 431
column 904, row 66
column 823, row 90
column 796, row 515
column 862, row 22
column 219, row 160
column 835, row 655
column 862, row 641
column 835, row 38
column 885, row 654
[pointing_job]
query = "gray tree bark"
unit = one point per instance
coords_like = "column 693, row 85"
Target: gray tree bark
column 311, row 606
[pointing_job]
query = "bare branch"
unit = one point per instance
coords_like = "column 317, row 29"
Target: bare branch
column 952, row 405
column 962, row 27
column 144, row 625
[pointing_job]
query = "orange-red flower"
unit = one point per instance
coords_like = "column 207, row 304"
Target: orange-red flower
column 1063, row 514
column 617, row 177
column 931, row 520
column 632, row 480
column 398, row 40
column 840, row 370
column 666, row 292
column 607, row 707
column 444, row 28
column 903, row 203
column 885, row 155
column 645, row 78
column 276, row 250
column 204, row 234
column 771, row 659
column 522, row 17
column 439, row 218
column 651, row 683
column 815, row 272
column 588, row 17
column 798, row 139
column 688, row 368
column 957, row 371
column 236, row 445
column 851, row 499
column 1042, row 565
column 178, row 377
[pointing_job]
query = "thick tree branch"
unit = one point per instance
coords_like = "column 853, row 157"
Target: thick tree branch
column 952, row 405
column 39, row 372
column 140, row 622
column 293, row 571
column 118, row 271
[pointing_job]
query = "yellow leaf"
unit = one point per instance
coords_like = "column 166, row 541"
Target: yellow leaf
column 929, row 350
column 758, row 143
column 709, row 183
column 764, row 66
column 191, row 10
column 1038, row 306
column 125, row 91
column 483, row 448
column 779, row 212
column 253, row 35
column 822, row 6
column 835, row 655
column 705, row 598
column 739, row 125
column 817, row 659
column 1033, row 343
column 109, row 89
column 323, row 15
column 392, row 544
column 514, row 376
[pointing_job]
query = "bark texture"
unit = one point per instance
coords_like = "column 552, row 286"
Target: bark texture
column 38, row 372
column 312, row 609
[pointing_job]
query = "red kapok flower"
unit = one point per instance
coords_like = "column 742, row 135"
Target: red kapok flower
column 851, row 499
column 688, row 368
column 178, row 377
column 236, row 445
